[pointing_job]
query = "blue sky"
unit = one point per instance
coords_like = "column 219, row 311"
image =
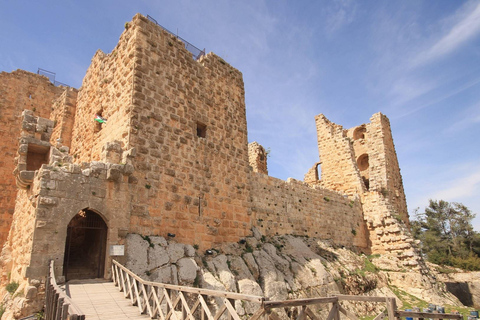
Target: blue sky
column 415, row 61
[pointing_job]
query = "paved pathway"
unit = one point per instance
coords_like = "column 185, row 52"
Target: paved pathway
column 100, row 299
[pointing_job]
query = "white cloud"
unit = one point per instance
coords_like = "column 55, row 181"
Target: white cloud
column 341, row 13
column 437, row 99
column 462, row 187
column 469, row 117
column 466, row 26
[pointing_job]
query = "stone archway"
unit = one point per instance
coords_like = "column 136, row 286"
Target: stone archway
column 85, row 246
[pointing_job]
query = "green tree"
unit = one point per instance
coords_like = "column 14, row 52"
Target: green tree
column 447, row 236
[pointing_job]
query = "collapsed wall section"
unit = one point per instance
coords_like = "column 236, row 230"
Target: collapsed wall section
column 257, row 157
column 189, row 131
column 337, row 159
column 365, row 156
column 386, row 176
column 19, row 90
column 293, row 207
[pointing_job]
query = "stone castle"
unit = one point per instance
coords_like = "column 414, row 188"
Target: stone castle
column 173, row 159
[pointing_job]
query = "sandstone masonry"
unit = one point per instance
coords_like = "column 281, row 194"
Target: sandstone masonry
column 172, row 160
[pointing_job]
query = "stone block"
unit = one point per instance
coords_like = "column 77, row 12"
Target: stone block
column 31, row 292
column 175, row 251
column 27, row 175
column 114, row 174
column 47, row 201
column 187, row 271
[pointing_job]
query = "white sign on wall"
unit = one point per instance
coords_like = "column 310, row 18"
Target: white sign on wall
column 117, row 250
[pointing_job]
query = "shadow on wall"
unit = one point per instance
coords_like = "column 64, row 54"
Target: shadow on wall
column 461, row 291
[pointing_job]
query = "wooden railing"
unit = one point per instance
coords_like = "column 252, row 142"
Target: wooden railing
column 165, row 301
column 304, row 311
column 304, row 307
column 59, row 306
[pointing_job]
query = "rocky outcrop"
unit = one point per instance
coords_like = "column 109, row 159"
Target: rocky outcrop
column 464, row 285
column 279, row 268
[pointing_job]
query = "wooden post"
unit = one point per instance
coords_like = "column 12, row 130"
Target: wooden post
column 391, row 308
column 232, row 302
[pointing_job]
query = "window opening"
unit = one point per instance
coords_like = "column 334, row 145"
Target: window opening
column 201, row 130
column 99, row 121
column 366, row 182
column 317, row 171
column 36, row 156
column 359, row 133
column 362, row 162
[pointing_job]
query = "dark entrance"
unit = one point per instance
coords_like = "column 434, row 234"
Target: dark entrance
column 85, row 246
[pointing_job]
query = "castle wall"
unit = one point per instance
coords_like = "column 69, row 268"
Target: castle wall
column 337, row 159
column 293, row 207
column 377, row 162
column 257, row 157
column 16, row 255
column 387, row 233
column 65, row 190
column 189, row 131
column 19, row 90
column 386, row 178
column 63, row 115
column 106, row 91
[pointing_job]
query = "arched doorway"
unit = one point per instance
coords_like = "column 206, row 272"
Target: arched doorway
column 85, row 246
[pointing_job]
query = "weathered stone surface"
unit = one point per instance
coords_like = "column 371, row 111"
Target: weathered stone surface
column 175, row 251
column 464, row 285
column 223, row 272
column 189, row 250
column 239, row 268
column 157, row 256
column 31, row 292
column 187, row 271
column 252, row 265
column 163, row 275
column 250, row 287
column 137, row 253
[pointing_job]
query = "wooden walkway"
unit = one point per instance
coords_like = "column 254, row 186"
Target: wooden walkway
column 100, row 299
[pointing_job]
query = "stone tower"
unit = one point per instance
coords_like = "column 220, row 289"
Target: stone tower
column 169, row 157
column 362, row 162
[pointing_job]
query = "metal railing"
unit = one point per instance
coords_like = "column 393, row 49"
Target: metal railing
column 196, row 52
column 51, row 76
column 59, row 306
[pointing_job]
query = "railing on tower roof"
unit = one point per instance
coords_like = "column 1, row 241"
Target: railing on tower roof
column 196, row 52
column 51, row 76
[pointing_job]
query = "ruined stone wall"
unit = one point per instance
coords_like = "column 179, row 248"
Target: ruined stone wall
column 257, row 157
column 16, row 258
column 337, row 159
column 19, row 90
column 386, row 178
column 377, row 162
column 61, row 192
column 293, row 207
column 372, row 154
column 106, row 91
column 63, row 115
column 189, row 130
column 387, row 233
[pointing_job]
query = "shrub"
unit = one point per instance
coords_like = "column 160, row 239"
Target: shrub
column 12, row 287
